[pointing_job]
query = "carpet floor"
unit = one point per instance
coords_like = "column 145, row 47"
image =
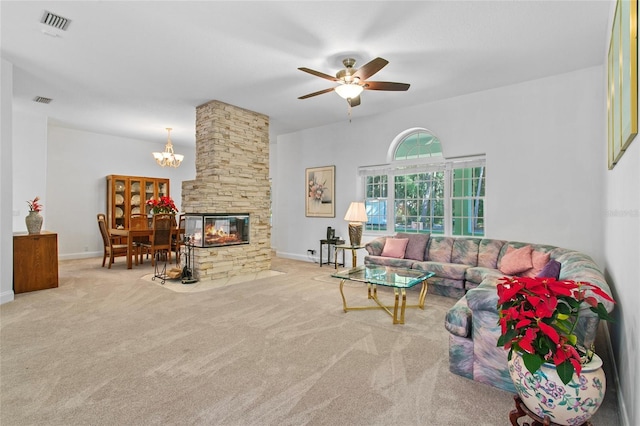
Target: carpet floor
column 112, row 347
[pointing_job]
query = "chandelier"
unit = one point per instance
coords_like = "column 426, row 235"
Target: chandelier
column 168, row 157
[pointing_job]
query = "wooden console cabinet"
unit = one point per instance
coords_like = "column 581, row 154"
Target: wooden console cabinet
column 35, row 261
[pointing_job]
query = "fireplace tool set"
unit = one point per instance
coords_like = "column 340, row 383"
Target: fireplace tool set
column 187, row 270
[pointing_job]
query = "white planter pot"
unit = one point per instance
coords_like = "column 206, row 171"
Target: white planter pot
column 545, row 395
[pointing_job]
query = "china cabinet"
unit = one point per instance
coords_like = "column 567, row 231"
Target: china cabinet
column 127, row 195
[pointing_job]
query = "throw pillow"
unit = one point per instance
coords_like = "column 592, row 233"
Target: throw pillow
column 395, row 247
column 550, row 270
column 516, row 260
column 416, row 246
column 539, row 260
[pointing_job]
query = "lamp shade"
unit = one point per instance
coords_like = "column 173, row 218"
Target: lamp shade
column 349, row 90
column 356, row 213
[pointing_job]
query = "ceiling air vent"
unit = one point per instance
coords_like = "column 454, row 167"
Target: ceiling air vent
column 55, row 21
column 42, row 100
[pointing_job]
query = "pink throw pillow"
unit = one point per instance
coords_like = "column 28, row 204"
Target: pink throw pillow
column 516, row 260
column 395, row 247
column 539, row 260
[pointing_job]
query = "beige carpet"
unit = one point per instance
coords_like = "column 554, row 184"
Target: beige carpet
column 177, row 285
column 111, row 348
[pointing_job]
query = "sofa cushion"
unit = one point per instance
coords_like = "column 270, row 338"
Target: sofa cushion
column 440, row 249
column 465, row 251
column 550, row 270
column 395, row 247
column 417, row 246
column 389, row 261
column 452, row 271
column 488, row 252
column 516, row 261
column 477, row 273
column 374, row 247
column 538, row 259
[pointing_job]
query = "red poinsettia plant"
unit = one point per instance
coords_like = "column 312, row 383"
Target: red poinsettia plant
column 163, row 205
column 538, row 317
column 34, row 205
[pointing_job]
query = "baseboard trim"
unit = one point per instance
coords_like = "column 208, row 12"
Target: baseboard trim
column 81, row 255
column 624, row 418
column 7, row 296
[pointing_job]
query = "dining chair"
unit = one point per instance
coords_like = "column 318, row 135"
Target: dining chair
column 159, row 244
column 139, row 221
column 110, row 249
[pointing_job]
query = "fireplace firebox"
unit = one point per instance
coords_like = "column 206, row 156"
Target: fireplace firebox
column 217, row 229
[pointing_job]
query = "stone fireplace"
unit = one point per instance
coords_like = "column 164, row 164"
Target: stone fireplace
column 232, row 175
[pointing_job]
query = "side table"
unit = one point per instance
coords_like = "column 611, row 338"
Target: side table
column 329, row 244
column 354, row 256
column 35, row 261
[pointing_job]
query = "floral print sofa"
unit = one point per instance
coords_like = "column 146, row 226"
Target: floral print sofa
column 469, row 269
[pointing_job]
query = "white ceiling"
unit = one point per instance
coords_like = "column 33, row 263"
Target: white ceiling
column 132, row 68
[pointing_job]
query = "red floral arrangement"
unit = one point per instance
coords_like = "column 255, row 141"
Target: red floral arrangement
column 538, row 317
column 34, row 206
column 164, row 205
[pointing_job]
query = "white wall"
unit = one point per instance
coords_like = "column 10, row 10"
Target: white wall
column 621, row 224
column 543, row 145
column 6, row 181
column 30, row 166
column 622, row 270
column 77, row 163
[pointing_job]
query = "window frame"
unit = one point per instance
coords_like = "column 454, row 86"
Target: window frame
column 424, row 165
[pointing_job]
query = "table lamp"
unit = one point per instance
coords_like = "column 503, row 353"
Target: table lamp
column 356, row 215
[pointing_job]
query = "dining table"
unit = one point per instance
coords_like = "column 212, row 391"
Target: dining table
column 132, row 234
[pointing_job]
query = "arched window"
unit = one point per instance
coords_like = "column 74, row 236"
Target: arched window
column 419, row 143
column 422, row 191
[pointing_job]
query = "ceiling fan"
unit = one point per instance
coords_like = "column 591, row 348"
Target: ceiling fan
column 353, row 81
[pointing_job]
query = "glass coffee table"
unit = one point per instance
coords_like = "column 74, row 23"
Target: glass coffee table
column 399, row 279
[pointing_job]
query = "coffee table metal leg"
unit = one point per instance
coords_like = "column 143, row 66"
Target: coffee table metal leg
column 399, row 293
column 423, row 294
column 344, row 301
column 399, row 306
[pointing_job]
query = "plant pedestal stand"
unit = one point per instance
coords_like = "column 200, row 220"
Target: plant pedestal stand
column 521, row 410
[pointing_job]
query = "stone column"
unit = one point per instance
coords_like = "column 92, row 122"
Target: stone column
column 232, row 176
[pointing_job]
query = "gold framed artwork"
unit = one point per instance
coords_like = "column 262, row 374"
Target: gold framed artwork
column 622, row 81
column 320, row 194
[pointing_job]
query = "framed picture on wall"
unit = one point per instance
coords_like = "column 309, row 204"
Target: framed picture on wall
column 320, row 183
column 622, row 77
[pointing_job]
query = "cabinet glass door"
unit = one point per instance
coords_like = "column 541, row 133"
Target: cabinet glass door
column 163, row 188
column 119, row 198
column 149, row 194
column 136, row 197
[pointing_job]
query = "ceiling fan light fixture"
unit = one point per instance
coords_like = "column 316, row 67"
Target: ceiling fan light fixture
column 349, row 91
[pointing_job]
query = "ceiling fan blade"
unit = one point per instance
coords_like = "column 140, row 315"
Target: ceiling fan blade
column 370, row 68
column 354, row 102
column 318, row 73
column 386, row 85
column 317, row 93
